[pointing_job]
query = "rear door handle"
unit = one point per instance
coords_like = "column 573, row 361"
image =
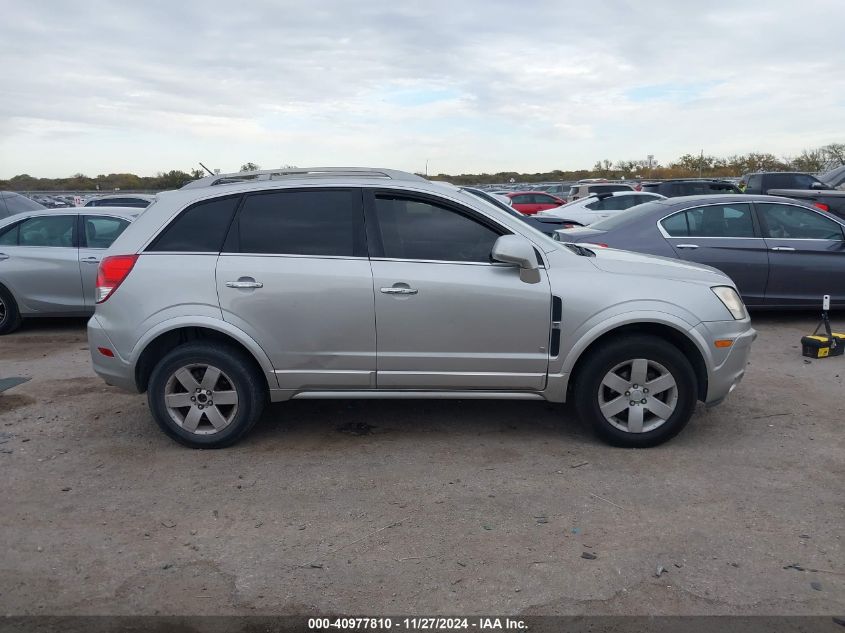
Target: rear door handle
column 90, row 260
column 244, row 284
column 686, row 245
column 3, row 256
column 783, row 248
column 399, row 291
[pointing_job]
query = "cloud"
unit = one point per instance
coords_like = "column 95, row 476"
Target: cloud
column 480, row 85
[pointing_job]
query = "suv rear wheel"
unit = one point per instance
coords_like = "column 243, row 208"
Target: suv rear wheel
column 636, row 392
column 206, row 396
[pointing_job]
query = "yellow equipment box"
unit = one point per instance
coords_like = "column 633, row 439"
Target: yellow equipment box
column 822, row 346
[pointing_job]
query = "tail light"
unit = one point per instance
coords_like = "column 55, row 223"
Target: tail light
column 113, row 270
column 598, row 244
column 822, row 206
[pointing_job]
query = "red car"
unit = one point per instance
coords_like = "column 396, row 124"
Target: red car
column 529, row 202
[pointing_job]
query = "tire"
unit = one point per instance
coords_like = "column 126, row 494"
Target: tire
column 240, row 389
column 663, row 414
column 10, row 316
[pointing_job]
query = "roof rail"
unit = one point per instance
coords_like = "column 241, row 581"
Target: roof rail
column 301, row 173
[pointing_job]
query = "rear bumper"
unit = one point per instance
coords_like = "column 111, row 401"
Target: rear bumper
column 113, row 369
column 727, row 367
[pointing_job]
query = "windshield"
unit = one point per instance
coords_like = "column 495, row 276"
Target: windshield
column 500, row 206
column 618, row 219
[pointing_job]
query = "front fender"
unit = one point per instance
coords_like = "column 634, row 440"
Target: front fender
column 575, row 340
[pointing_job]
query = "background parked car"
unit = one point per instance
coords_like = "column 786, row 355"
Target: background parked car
column 835, row 178
column 544, row 224
column 12, row 203
column 830, row 200
column 584, row 189
column 135, row 200
column 530, row 202
column 597, row 207
column 763, row 181
column 49, row 259
column 781, row 253
column 689, row 187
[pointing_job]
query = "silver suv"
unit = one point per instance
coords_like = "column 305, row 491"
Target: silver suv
column 371, row 283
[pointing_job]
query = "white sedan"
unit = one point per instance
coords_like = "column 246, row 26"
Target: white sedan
column 596, row 207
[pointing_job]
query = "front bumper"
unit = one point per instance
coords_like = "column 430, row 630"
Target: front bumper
column 114, row 370
column 726, row 366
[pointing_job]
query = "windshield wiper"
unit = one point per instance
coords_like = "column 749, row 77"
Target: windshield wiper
column 579, row 250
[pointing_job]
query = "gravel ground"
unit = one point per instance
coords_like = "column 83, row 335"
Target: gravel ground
column 392, row 507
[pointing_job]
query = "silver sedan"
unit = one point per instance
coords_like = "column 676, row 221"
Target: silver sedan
column 595, row 207
column 49, row 258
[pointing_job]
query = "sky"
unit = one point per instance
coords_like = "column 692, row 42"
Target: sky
column 465, row 86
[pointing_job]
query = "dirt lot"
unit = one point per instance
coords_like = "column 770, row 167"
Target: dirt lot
column 430, row 507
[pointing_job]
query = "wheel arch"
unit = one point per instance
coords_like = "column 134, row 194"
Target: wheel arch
column 682, row 339
column 154, row 347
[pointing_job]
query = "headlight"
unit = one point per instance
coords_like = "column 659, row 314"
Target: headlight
column 730, row 298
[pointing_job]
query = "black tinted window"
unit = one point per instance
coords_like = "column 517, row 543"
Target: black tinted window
column 201, row 228
column 786, row 221
column 316, row 222
column 414, row 229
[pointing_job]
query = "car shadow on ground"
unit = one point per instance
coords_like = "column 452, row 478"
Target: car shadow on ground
column 298, row 420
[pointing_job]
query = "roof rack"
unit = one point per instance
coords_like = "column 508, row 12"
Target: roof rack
column 302, row 173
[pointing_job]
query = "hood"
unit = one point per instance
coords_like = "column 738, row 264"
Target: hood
column 628, row 263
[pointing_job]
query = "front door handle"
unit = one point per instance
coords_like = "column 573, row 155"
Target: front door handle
column 686, row 245
column 399, row 291
column 3, row 256
column 783, row 248
column 90, row 260
column 244, row 284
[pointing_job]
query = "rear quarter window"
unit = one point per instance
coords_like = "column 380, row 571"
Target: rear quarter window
column 201, row 228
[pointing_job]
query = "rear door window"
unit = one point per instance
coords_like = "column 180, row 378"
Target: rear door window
column 101, row 231
column 317, row 222
column 721, row 220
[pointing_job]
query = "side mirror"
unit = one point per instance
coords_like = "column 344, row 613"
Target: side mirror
column 818, row 185
column 513, row 249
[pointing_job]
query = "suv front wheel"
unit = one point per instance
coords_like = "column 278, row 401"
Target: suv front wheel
column 636, row 392
column 206, row 396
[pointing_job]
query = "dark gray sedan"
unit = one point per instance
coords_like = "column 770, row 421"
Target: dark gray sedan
column 780, row 252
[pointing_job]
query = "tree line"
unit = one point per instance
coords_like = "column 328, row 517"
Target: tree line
column 689, row 165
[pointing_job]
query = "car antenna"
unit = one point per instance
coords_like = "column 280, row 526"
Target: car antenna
column 210, row 173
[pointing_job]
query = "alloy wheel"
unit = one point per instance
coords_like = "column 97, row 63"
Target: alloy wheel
column 638, row 395
column 201, row 399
